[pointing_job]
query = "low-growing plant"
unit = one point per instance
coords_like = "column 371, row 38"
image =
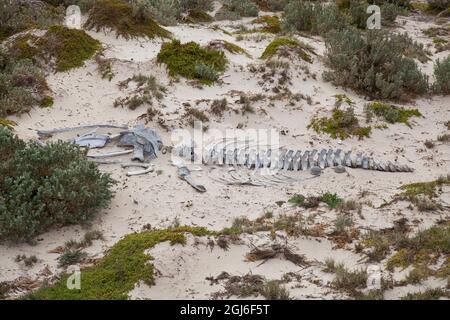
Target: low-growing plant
column 373, row 63
column 423, row 248
column 124, row 265
column 442, row 76
column 301, row 49
column 349, row 281
column 45, row 187
column 192, row 61
column 122, row 17
column 29, row 261
column 271, row 24
column 197, row 114
column 218, row 107
column 66, row 48
column 71, row 256
column 198, row 16
column 273, row 290
column 104, row 66
column 342, row 223
column 342, row 124
column 19, row 15
column 428, row 294
column 147, row 89
column 390, row 113
column 331, row 199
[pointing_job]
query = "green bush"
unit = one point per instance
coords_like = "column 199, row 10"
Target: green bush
column 236, row 9
column 198, row 5
column 374, row 63
column 390, row 113
column 303, row 50
column 165, row 12
column 84, row 5
column 271, row 5
column 315, row 18
column 22, row 85
column 342, row 124
column 46, row 187
column 126, row 20
column 438, row 4
column 442, row 76
column 190, row 61
column 65, row 48
column 19, row 15
column 124, row 265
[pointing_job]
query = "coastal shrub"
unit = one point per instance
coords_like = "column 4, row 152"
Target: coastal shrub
column 19, row 15
column 442, row 76
column 22, row 86
column 315, row 18
column 84, row 5
column 342, row 124
column 357, row 11
column 401, row 3
column 438, row 5
column 200, row 5
column 271, row 5
column 373, row 63
column 46, row 187
column 65, row 48
column 271, row 24
column 197, row 16
column 236, row 9
column 127, row 21
column 191, row 61
column 301, row 49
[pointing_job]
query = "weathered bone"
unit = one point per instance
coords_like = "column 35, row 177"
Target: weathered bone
column 290, row 160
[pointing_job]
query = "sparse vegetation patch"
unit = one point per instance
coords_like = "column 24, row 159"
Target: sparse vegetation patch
column 390, row 113
column 342, row 124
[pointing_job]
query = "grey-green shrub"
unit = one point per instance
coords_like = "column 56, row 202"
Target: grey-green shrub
column 166, row 12
column 439, row 4
column 236, row 9
column 313, row 17
column 46, row 187
column 271, row 5
column 84, row 5
column 202, row 5
column 374, row 63
column 22, row 85
column 442, row 76
column 19, row 15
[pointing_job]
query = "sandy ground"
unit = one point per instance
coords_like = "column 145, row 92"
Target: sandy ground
column 82, row 98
